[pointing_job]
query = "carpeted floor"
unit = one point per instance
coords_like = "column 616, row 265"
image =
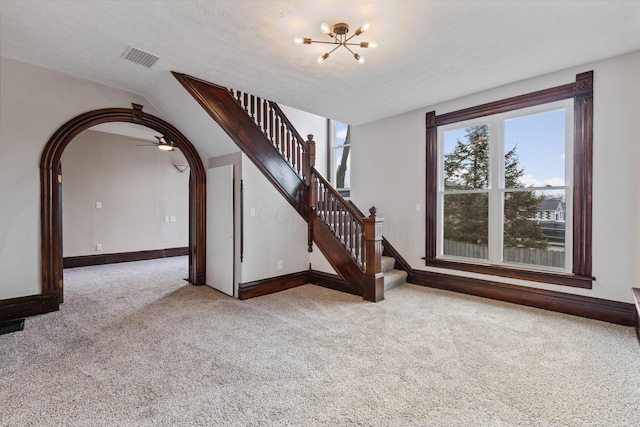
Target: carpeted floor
column 135, row 346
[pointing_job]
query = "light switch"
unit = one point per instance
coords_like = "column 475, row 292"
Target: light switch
column 98, row 205
column 252, row 212
column 418, row 207
column 172, row 219
column 166, row 218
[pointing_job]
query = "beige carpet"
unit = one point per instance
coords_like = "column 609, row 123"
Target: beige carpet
column 135, row 345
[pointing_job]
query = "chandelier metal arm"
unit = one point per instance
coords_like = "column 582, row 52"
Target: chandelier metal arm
column 338, row 43
column 334, row 49
column 346, row 47
column 352, row 36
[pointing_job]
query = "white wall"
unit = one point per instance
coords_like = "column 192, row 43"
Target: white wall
column 388, row 171
column 137, row 186
column 34, row 103
column 307, row 123
column 275, row 232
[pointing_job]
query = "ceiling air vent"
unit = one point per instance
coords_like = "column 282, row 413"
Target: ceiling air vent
column 139, row 56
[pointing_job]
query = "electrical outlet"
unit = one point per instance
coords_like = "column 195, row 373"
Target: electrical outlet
column 172, row 219
column 280, row 265
column 98, row 246
column 166, row 218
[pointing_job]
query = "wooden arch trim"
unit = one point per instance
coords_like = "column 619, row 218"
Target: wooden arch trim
column 51, row 201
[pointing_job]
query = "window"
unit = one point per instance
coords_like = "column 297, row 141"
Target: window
column 509, row 186
column 340, row 155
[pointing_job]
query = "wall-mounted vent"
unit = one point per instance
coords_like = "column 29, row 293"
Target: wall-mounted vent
column 139, row 56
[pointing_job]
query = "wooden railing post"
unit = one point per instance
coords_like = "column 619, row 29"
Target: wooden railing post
column 309, row 159
column 373, row 285
column 308, row 162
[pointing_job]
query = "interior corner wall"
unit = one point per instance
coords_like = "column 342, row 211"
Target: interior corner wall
column 34, row 103
column 137, row 186
column 388, row 171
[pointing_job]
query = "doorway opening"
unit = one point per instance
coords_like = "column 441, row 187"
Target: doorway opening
column 51, row 194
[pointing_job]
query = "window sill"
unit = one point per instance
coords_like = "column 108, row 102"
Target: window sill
column 516, row 273
column 345, row 192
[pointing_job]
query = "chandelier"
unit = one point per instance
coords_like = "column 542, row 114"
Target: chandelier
column 339, row 35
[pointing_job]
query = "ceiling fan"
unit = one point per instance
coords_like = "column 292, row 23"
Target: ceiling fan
column 163, row 143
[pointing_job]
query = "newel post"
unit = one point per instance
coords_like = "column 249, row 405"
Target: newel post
column 308, row 161
column 373, row 286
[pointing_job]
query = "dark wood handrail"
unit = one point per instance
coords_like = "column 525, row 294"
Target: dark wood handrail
column 276, row 127
column 289, row 125
column 349, row 206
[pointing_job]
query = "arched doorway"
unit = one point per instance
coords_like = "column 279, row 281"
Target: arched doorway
column 51, row 200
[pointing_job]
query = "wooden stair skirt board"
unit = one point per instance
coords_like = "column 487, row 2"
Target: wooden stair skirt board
column 86, row 260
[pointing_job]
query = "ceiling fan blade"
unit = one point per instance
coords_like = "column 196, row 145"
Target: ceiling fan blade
column 150, row 141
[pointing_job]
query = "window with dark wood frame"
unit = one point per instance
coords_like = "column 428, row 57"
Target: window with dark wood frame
column 582, row 93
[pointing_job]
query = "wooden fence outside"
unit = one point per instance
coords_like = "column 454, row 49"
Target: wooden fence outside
column 542, row 257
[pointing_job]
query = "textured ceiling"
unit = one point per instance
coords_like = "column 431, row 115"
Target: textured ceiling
column 428, row 51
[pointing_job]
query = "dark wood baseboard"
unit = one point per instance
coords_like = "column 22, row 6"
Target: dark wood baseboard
column 17, row 308
column 333, row 281
column 276, row 284
column 636, row 298
column 86, row 260
column 272, row 285
column 577, row 305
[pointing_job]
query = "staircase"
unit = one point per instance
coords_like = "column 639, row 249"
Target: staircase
column 392, row 277
column 351, row 242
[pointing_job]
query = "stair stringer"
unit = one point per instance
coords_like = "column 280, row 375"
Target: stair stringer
column 337, row 255
column 223, row 108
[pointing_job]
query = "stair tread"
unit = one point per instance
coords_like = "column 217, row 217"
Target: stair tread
column 388, row 263
column 393, row 278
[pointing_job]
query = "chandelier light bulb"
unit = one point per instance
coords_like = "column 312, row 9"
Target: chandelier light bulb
column 323, row 58
column 358, row 58
column 297, row 40
column 325, row 28
column 362, row 29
